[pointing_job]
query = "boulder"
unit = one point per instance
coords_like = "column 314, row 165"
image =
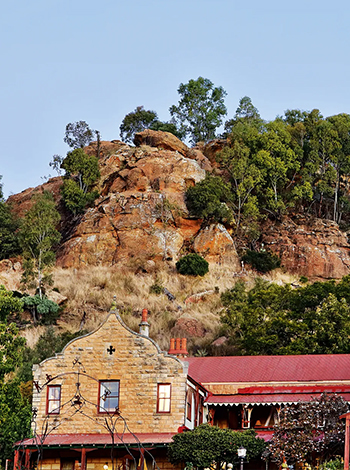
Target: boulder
column 190, row 327
column 11, row 274
column 214, row 242
column 161, row 140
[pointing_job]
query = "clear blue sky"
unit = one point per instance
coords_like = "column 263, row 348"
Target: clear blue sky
column 69, row 60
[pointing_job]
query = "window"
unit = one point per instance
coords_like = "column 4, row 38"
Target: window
column 163, row 398
column 108, row 396
column 53, row 400
column 189, row 404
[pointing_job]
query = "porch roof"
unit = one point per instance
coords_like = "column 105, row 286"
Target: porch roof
column 99, row 440
column 264, row 399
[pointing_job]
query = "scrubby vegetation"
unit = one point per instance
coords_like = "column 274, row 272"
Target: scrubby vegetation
column 192, row 265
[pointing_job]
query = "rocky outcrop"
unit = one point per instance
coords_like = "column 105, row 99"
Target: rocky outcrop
column 313, row 248
column 10, row 274
column 141, row 213
column 214, row 241
column 23, row 201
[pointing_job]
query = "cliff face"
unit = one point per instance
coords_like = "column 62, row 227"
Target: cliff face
column 313, row 248
column 141, row 214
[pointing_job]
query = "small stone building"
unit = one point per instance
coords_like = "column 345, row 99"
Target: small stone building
column 110, row 399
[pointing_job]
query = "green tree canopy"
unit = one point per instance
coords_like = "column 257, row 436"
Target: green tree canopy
column 272, row 319
column 208, row 445
column 8, row 226
column 78, row 134
column 137, row 121
column 38, row 235
column 11, row 349
column 201, row 109
column 246, row 113
column 207, row 200
column 82, row 172
column 8, row 304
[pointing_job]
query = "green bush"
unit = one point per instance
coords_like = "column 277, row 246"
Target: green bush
column 192, row 265
column 335, row 464
column 156, row 288
column 262, row 261
column 207, row 200
column 42, row 309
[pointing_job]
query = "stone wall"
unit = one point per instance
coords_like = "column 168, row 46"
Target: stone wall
column 139, row 365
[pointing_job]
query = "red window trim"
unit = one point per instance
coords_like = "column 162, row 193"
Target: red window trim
column 158, row 399
column 48, row 401
column 99, row 395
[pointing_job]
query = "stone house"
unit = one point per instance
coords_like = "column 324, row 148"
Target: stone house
column 110, row 399
column 113, row 400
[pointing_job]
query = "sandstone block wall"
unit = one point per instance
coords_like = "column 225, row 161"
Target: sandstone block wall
column 139, row 366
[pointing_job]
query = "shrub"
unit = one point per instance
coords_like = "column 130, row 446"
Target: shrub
column 262, row 261
column 41, row 309
column 192, row 265
column 156, row 288
column 207, row 200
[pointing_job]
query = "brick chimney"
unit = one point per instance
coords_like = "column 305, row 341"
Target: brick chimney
column 178, row 347
column 144, row 325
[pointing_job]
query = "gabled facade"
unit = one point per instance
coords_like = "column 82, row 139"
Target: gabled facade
column 111, row 393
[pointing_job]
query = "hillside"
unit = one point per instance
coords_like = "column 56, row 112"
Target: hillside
column 127, row 243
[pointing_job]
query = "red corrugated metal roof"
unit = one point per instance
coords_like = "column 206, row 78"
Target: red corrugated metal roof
column 264, row 399
column 316, row 389
column 101, row 439
column 247, row 369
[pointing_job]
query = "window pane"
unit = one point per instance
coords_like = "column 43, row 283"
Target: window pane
column 164, row 391
column 109, row 396
column 53, row 399
column 164, row 398
column 54, row 393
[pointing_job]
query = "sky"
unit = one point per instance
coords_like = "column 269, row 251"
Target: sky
column 70, row 60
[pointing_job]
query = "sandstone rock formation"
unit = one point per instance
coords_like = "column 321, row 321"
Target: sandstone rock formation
column 214, row 241
column 10, row 274
column 141, row 213
column 313, row 248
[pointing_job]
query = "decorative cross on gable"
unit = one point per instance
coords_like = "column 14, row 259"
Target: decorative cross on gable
column 111, row 350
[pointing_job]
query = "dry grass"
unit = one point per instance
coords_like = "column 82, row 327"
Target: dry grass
column 92, row 290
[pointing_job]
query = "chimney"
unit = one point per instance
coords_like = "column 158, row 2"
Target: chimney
column 144, row 325
column 178, row 347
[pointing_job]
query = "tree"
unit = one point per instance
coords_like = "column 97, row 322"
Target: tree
column 78, row 134
column 207, row 445
column 38, row 235
column 207, row 200
column 245, row 176
column 272, row 319
column 15, row 410
column 11, row 349
column 309, row 427
column 246, row 113
column 167, row 127
column 200, row 110
column 8, row 304
column 82, row 172
column 8, row 226
column 137, row 121
column 41, row 308
column 15, row 418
